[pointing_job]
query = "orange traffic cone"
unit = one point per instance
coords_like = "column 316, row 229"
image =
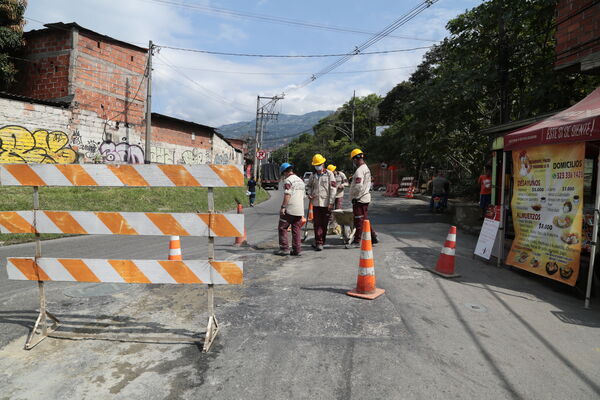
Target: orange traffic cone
column 310, row 212
column 175, row 249
column 240, row 240
column 445, row 264
column 365, row 283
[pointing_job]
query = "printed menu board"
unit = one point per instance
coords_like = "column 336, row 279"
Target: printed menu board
column 547, row 209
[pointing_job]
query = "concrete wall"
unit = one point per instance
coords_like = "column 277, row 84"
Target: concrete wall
column 224, row 153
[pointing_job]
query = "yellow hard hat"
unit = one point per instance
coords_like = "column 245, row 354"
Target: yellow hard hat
column 318, row 159
column 331, row 167
column 355, row 152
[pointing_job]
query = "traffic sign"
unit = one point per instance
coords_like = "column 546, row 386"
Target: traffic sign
column 261, row 154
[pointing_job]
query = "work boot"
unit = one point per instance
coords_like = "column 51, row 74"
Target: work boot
column 355, row 245
column 294, row 253
column 282, row 253
column 317, row 247
column 374, row 240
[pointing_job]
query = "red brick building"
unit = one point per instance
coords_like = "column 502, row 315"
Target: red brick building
column 104, row 80
column 578, row 36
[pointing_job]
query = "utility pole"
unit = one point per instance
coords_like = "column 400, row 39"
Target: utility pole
column 353, row 108
column 265, row 107
column 148, row 152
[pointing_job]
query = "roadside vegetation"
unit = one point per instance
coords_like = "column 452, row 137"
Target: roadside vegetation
column 156, row 199
column 496, row 66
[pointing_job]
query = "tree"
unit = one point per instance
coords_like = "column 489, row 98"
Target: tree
column 11, row 37
column 496, row 65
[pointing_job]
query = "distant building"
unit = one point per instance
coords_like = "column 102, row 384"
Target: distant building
column 102, row 83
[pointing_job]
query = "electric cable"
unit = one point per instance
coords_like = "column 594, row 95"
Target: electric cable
column 273, row 19
column 354, row 53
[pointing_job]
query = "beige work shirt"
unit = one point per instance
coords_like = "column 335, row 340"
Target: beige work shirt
column 341, row 181
column 294, row 186
column 322, row 188
column 361, row 185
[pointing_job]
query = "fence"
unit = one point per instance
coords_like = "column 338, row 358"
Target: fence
column 38, row 221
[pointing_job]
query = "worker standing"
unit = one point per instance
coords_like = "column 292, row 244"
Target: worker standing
column 291, row 212
column 360, row 195
column 341, row 182
column 321, row 190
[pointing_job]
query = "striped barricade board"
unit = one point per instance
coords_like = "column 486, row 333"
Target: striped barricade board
column 125, row 271
column 117, row 175
column 122, row 223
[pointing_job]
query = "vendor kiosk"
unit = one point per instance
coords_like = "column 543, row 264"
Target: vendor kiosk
column 555, row 193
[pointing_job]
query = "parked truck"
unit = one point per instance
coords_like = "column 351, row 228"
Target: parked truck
column 269, row 176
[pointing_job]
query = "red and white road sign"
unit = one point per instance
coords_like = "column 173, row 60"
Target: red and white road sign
column 261, row 154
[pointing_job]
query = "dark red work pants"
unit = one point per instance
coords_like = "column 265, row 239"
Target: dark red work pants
column 284, row 222
column 361, row 212
column 320, row 222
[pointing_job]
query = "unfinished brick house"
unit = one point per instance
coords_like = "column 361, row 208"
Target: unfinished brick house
column 578, row 36
column 104, row 80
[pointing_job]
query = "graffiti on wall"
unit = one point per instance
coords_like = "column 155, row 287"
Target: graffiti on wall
column 113, row 153
column 222, row 158
column 161, row 155
column 195, row 156
column 19, row 145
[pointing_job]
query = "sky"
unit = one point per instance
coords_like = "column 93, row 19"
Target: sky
column 216, row 89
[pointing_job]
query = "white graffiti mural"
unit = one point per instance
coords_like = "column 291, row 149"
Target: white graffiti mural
column 195, row 156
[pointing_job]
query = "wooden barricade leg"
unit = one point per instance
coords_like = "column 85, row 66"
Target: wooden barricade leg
column 41, row 322
column 213, row 326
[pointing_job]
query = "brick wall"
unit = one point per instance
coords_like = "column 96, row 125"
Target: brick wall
column 109, row 80
column 45, row 74
column 103, row 79
column 578, row 30
column 173, row 142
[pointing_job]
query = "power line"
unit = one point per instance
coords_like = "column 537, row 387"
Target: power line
column 376, row 38
column 290, row 73
column 354, row 53
column 273, row 19
column 202, row 87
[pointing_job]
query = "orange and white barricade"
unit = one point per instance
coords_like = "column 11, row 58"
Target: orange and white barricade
column 172, row 271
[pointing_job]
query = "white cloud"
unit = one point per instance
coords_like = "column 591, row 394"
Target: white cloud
column 219, row 98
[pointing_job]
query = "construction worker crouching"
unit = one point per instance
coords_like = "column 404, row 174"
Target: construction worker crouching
column 321, row 190
column 291, row 212
column 360, row 195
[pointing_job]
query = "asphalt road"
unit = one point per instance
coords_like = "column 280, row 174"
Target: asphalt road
column 291, row 332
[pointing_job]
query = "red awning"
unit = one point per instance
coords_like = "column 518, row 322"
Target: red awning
column 578, row 123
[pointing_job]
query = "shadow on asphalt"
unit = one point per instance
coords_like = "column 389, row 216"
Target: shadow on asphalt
column 326, row 289
column 96, row 324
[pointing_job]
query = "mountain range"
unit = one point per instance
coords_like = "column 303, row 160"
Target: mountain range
column 278, row 132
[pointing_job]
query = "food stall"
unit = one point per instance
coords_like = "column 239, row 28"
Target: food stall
column 554, row 193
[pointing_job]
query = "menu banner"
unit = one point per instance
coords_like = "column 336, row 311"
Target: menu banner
column 547, row 206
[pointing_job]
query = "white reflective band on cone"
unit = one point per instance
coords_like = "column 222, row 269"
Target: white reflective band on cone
column 175, row 252
column 366, row 271
column 451, row 237
column 366, row 254
column 366, row 236
column 448, row 251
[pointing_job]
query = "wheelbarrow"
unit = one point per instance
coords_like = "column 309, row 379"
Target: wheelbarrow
column 345, row 222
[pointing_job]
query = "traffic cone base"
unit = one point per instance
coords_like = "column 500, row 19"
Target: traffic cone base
column 369, row 296
column 443, row 274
